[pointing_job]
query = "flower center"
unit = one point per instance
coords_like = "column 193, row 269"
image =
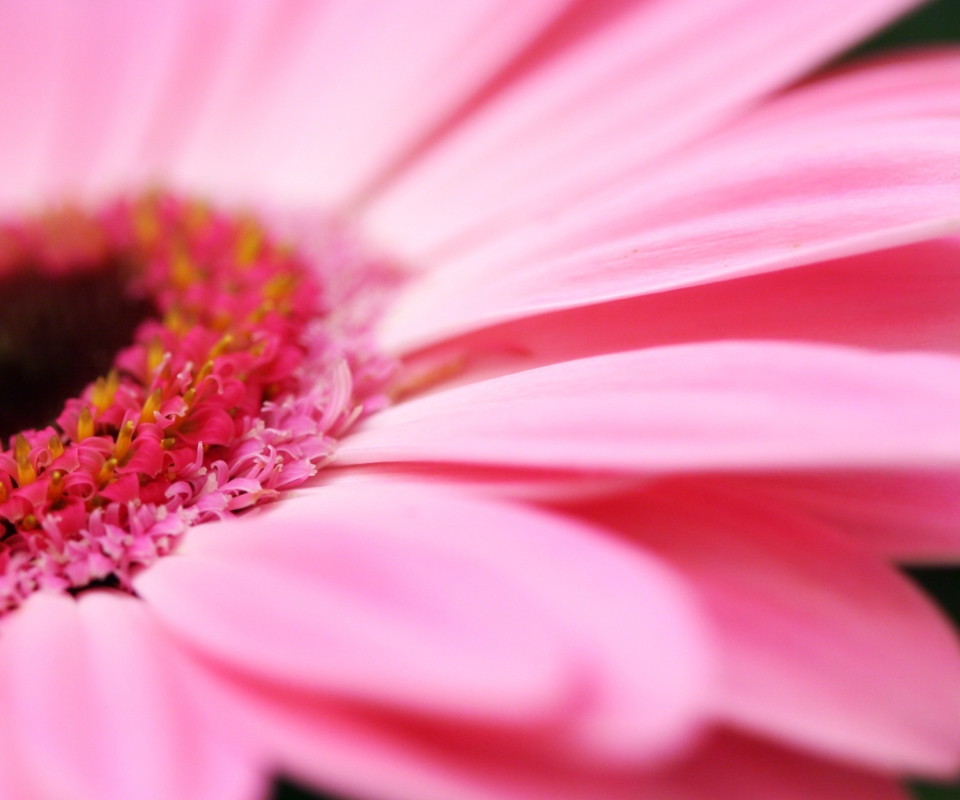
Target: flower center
column 57, row 333
column 161, row 364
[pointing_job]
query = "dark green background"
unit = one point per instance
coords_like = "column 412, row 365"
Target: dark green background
column 937, row 21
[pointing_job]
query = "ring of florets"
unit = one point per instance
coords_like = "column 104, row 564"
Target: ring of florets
column 229, row 393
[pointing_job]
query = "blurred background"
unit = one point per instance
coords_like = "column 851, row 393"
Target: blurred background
column 935, row 22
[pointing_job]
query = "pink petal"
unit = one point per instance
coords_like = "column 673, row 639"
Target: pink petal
column 94, row 709
column 824, row 645
column 359, row 756
column 659, row 76
column 317, row 99
column 414, row 598
column 902, row 299
column 764, row 199
column 909, row 516
column 721, row 405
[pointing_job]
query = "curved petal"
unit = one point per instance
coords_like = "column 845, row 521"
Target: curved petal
column 742, row 206
column 94, row 709
column 721, row 405
column 824, row 645
column 418, row 599
column 663, row 74
column 899, row 299
column 356, row 756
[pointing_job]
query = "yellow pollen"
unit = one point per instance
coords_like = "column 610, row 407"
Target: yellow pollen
column 154, row 354
column 248, row 244
column 56, row 446
column 106, row 471
column 183, row 273
column 26, row 473
column 167, row 443
column 29, row 522
column 221, row 347
column 85, row 424
column 189, row 396
column 152, row 404
column 55, row 487
column 124, row 438
column 105, row 389
column 279, row 286
column 174, row 321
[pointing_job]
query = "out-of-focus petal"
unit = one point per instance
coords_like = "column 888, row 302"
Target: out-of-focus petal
column 911, row 516
column 427, row 601
column 747, row 205
column 716, row 405
column 824, row 645
column 318, row 98
column 903, row 298
column 661, row 76
column 93, row 709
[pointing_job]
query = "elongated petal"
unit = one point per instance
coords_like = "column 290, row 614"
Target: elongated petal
column 824, row 644
column 93, row 708
column 662, row 74
column 899, row 299
column 723, row 405
column 753, row 204
column 424, row 600
column 319, row 98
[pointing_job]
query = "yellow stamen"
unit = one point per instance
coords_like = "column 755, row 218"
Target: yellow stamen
column 279, row 286
column 152, row 404
column 168, row 443
column 183, row 273
column 29, row 522
column 248, row 244
column 85, row 424
column 105, row 389
column 106, row 471
column 221, row 347
column 124, row 438
column 56, row 446
column 189, row 396
column 154, row 354
column 55, row 487
column 25, row 470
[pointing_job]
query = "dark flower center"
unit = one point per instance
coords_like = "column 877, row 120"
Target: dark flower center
column 57, row 334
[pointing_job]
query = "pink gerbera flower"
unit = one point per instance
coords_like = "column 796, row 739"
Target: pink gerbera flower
column 559, row 389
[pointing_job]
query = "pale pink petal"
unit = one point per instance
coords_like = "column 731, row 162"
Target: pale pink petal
column 31, row 56
column 718, row 405
column 415, row 598
column 322, row 97
column 899, row 299
column 93, row 708
column 660, row 75
column 824, row 645
column 745, row 205
column 110, row 57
